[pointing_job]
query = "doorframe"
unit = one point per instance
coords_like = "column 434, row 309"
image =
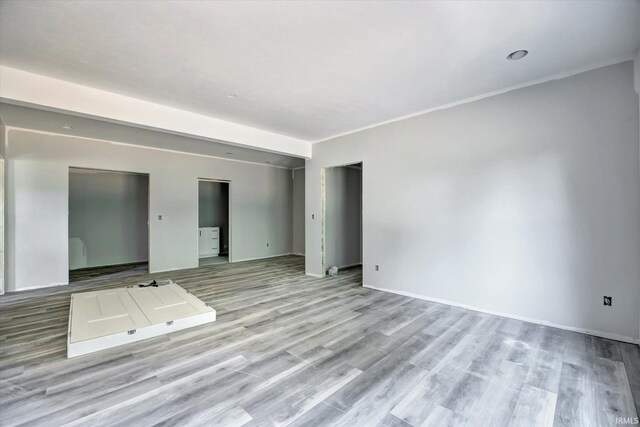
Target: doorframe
column 323, row 211
column 148, row 175
column 229, row 214
column 3, row 227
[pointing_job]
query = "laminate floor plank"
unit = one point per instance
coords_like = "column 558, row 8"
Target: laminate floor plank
column 290, row 349
column 535, row 407
column 631, row 359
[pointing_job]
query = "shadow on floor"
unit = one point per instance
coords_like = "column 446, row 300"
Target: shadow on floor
column 214, row 260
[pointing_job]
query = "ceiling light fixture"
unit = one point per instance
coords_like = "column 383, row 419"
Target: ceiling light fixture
column 232, row 96
column 67, row 127
column 518, row 54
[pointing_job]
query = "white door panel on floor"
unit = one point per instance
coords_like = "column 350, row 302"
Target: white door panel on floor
column 109, row 318
column 102, row 313
column 167, row 303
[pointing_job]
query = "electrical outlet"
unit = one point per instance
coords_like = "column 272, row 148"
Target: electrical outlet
column 159, row 217
column 267, row 245
column 377, row 267
column 606, row 301
column 313, row 216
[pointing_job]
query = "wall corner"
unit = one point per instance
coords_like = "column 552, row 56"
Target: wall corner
column 636, row 85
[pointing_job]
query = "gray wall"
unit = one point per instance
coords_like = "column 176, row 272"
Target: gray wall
column 108, row 212
column 298, row 212
column 343, row 216
column 213, row 209
column 38, row 199
column 525, row 203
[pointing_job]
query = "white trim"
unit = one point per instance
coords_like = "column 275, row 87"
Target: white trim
column 170, row 269
column 128, row 144
column 318, row 276
column 26, row 88
column 482, row 96
column 608, row 335
column 262, row 257
column 33, row 288
column 296, row 253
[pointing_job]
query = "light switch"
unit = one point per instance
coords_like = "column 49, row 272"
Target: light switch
column 159, row 217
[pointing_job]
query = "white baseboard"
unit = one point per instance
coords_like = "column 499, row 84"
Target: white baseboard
column 33, row 288
column 319, row 276
column 296, row 253
column 601, row 334
column 262, row 257
column 171, row 269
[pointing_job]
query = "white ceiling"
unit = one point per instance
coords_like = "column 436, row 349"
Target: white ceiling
column 48, row 121
column 312, row 70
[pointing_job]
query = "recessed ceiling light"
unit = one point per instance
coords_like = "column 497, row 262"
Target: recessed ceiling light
column 518, row 54
column 67, row 127
column 232, row 95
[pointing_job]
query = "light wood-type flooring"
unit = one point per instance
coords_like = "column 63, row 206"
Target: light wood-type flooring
column 289, row 349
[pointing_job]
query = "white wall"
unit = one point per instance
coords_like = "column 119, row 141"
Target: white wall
column 213, row 209
column 637, row 86
column 2, row 139
column 526, row 203
column 37, row 190
column 343, row 216
column 108, row 213
column 2, row 205
column 298, row 211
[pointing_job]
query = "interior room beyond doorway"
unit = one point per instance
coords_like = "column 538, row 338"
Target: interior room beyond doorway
column 343, row 217
column 213, row 222
column 108, row 224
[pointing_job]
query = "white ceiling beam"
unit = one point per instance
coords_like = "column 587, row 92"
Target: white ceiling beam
column 21, row 87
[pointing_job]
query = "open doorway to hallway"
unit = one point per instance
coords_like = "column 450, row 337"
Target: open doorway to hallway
column 342, row 204
column 214, row 243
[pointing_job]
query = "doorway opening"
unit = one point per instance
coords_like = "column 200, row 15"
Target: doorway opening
column 214, row 222
column 342, row 217
column 108, row 224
